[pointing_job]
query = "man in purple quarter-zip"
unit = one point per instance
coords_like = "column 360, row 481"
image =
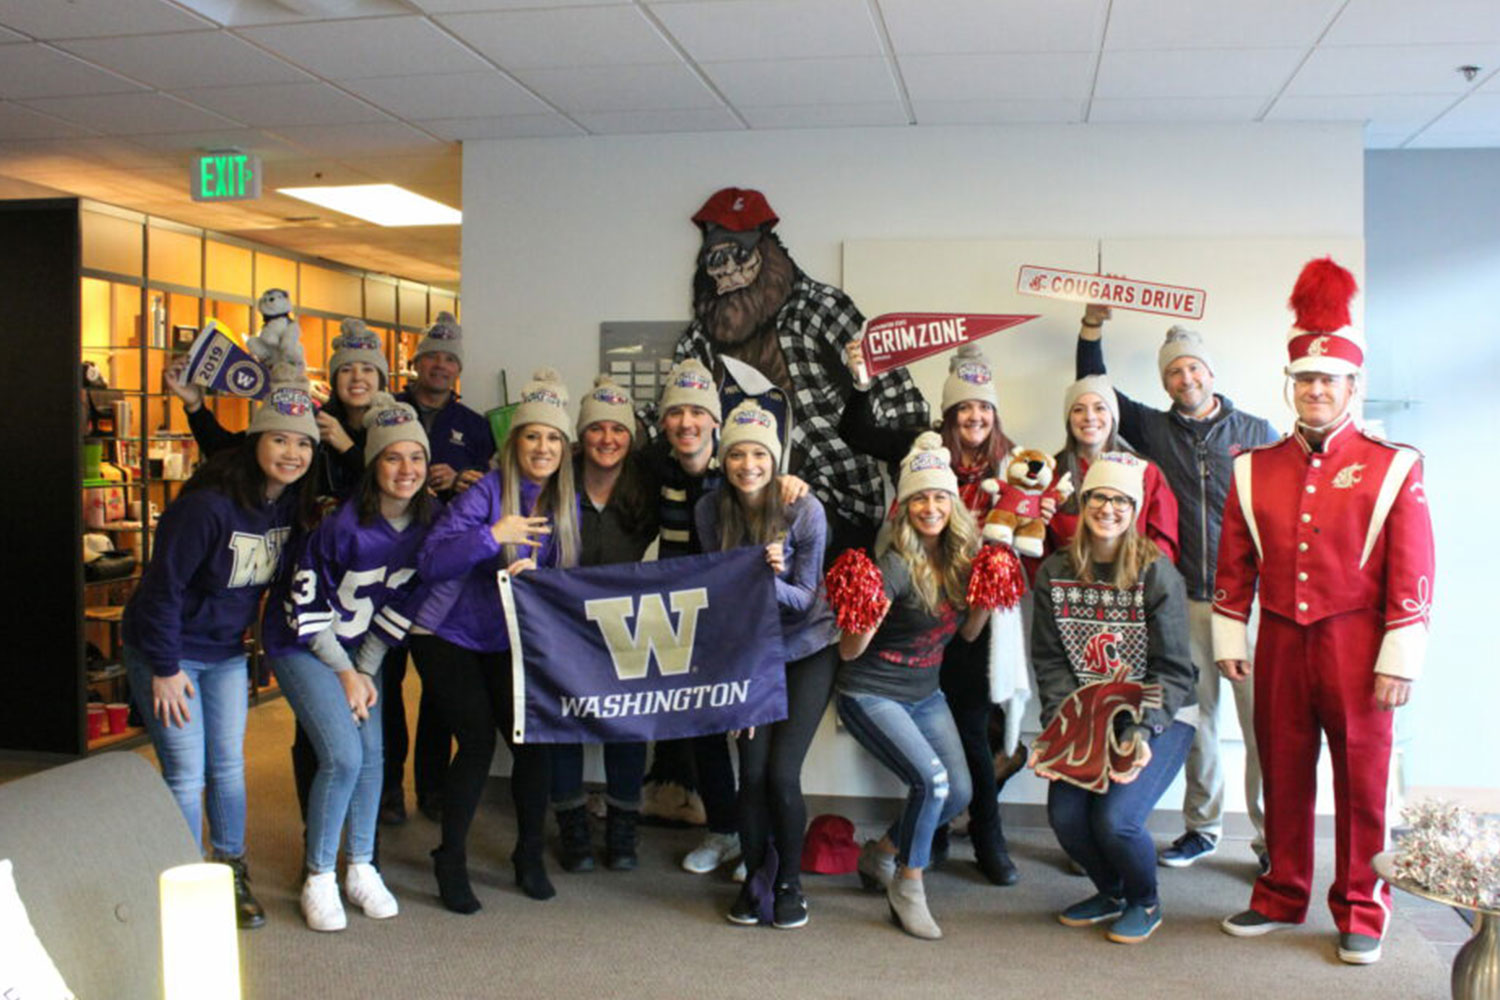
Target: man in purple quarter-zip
column 1194, row 443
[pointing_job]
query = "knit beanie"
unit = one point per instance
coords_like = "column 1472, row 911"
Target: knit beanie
column 357, row 342
column 928, row 466
column 689, row 383
column 387, row 421
column 544, row 400
column 1098, row 385
column 607, row 401
column 747, row 422
column 1117, row 470
column 1182, row 342
column 443, row 335
column 288, row 406
column 969, row 379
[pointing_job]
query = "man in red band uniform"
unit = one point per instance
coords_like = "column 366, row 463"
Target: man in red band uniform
column 1332, row 524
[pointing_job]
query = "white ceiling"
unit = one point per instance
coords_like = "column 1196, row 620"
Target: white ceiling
column 109, row 98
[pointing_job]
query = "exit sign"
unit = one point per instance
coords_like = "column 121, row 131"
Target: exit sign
column 225, row 177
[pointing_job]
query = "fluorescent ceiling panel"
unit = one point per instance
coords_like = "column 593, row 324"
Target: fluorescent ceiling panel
column 382, row 204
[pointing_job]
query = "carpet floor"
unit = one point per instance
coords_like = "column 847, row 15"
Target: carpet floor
column 661, row 932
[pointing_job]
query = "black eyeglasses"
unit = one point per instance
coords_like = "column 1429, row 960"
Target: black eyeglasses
column 1120, row 502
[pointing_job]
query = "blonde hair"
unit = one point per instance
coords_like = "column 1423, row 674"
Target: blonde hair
column 947, row 576
column 1136, row 552
column 558, row 499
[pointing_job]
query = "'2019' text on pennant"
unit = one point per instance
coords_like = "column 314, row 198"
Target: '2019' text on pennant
column 1122, row 293
column 894, row 340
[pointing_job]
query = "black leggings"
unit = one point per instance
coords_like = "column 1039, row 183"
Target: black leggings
column 472, row 695
column 965, row 681
column 433, row 743
column 770, row 801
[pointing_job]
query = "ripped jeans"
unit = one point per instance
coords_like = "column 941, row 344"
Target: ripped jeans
column 919, row 742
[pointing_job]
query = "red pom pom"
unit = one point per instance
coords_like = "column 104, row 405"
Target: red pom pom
column 856, row 592
column 996, row 580
column 1321, row 296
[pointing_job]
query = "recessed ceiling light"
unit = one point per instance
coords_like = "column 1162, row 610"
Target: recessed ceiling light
column 382, row 204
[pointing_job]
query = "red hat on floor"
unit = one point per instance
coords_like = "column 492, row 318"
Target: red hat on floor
column 738, row 210
column 829, row 847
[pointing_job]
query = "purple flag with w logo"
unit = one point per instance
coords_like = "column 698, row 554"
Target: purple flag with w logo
column 645, row 651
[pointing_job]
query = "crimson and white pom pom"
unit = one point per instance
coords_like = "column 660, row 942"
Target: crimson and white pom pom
column 996, row 580
column 856, row 592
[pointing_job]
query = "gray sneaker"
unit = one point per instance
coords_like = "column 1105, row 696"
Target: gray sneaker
column 1359, row 949
column 1251, row 923
column 715, row 849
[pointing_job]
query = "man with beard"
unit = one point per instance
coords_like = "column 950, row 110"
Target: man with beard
column 752, row 303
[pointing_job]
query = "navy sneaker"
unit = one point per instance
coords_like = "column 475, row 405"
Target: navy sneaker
column 1136, row 925
column 1094, row 910
column 1186, row 849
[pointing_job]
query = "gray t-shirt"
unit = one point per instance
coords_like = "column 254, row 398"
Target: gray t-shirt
column 903, row 659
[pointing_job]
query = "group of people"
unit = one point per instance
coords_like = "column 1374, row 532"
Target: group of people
column 379, row 524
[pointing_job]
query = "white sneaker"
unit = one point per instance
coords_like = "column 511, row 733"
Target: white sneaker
column 366, row 889
column 321, row 906
column 715, row 849
column 739, row 872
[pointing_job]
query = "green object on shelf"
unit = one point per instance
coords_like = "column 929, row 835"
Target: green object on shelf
column 93, row 453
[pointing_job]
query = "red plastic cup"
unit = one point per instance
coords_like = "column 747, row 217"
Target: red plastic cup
column 97, row 719
column 119, row 716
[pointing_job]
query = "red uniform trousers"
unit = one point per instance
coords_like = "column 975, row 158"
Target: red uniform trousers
column 1312, row 678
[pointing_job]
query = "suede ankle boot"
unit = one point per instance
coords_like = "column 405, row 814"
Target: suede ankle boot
column 908, row 901
column 452, row 871
column 531, row 873
column 575, row 846
column 992, row 857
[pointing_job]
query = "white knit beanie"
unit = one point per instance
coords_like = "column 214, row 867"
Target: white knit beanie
column 607, row 401
column 748, row 422
column 1117, row 470
column 969, row 379
column 544, row 400
column 387, row 421
column 1181, row 342
column 1100, row 386
column 928, row 466
column 443, row 335
column 357, row 342
column 689, row 383
column 288, row 406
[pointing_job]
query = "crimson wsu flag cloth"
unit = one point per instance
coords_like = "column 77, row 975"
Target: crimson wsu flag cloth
column 645, row 651
column 895, row 340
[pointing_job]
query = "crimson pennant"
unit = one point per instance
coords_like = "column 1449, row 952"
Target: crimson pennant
column 894, row 340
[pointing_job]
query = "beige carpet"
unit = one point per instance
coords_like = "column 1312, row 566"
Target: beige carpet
column 660, row 932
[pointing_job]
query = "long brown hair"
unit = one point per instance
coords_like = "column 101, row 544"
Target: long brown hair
column 1136, row 552
column 739, row 525
column 945, row 577
column 994, row 449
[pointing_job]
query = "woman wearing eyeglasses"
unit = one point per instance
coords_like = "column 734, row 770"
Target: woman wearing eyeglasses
column 1110, row 599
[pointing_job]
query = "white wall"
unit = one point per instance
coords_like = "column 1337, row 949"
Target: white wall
column 561, row 234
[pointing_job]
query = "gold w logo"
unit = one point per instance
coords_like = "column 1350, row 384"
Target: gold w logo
column 631, row 651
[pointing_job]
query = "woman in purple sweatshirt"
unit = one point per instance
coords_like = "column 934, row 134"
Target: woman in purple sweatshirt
column 217, row 548
column 522, row 515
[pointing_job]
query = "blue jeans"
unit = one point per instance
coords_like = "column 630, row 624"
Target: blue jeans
column 624, row 770
column 1106, row 834
column 919, row 742
column 350, row 761
column 206, row 754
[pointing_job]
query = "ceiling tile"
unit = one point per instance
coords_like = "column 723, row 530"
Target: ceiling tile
column 638, row 122
column 1245, row 24
column 936, row 27
column 997, row 77
column 126, row 114
column 248, row 139
column 1384, row 140
column 462, row 6
column 17, row 122
column 7, row 36
column 194, row 59
column 284, row 104
column 1476, row 113
column 503, row 127
column 1485, row 139
column 238, row 13
column 369, row 138
column 41, row 71
column 802, row 82
column 49, row 19
column 1195, row 72
column 724, row 30
column 1400, row 113
column 1176, row 109
column 448, row 95
column 827, row 116
column 1402, row 22
column 944, row 112
column 381, row 46
column 1389, row 69
column 565, row 36
column 620, row 88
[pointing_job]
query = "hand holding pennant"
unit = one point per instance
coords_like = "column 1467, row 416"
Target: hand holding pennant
column 1080, row 745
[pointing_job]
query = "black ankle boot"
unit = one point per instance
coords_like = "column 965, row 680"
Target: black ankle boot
column 992, row 857
column 620, row 839
column 575, row 848
column 939, row 852
column 531, row 873
column 248, row 912
column 452, row 871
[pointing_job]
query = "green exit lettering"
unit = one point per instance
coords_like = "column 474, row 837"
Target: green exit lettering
column 226, row 177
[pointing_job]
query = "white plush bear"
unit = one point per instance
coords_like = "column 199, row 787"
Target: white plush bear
column 280, row 339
